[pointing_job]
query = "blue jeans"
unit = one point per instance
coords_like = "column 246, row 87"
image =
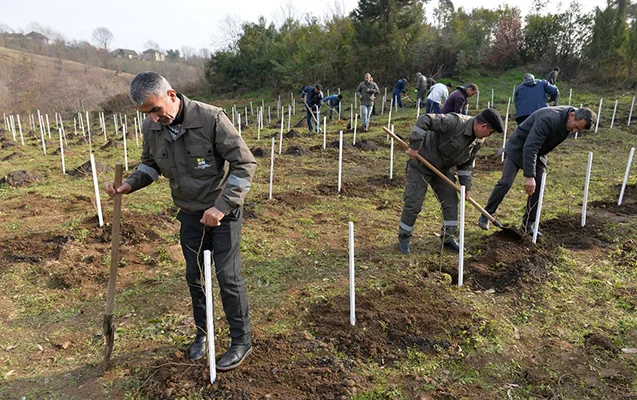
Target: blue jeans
column 309, row 120
column 365, row 113
column 432, row 107
column 398, row 99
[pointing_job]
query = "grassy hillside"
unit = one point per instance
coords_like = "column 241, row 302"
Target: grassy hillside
column 555, row 320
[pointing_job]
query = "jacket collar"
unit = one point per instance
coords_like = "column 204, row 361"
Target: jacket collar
column 192, row 119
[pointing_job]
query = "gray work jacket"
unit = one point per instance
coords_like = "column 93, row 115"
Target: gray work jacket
column 208, row 164
column 446, row 140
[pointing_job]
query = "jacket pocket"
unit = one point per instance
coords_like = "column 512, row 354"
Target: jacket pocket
column 450, row 147
column 200, row 161
column 160, row 156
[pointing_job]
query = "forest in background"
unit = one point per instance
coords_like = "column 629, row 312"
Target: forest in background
column 394, row 38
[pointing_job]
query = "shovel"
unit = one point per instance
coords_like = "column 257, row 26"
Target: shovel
column 311, row 112
column 510, row 232
column 109, row 331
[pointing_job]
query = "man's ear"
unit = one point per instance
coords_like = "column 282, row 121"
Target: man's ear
column 172, row 94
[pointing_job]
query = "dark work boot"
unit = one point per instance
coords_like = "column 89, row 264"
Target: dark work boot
column 483, row 223
column 235, row 355
column 403, row 246
column 198, row 347
column 452, row 244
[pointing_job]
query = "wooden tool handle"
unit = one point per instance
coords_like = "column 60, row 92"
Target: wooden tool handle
column 308, row 107
column 443, row 177
column 117, row 212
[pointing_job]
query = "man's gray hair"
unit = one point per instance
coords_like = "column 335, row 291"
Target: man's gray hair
column 587, row 115
column 146, row 84
column 368, row 74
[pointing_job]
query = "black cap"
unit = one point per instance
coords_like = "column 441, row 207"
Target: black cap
column 449, row 84
column 493, row 119
column 319, row 86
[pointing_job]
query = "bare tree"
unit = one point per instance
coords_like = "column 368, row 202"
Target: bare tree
column 151, row 45
column 188, row 52
column 103, row 37
column 204, row 53
column 4, row 28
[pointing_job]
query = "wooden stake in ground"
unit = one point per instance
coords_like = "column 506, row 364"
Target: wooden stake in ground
column 536, row 226
column 340, row 160
column 325, row 132
column 570, row 95
column 20, row 127
column 62, row 151
column 210, row 315
column 461, row 236
column 612, row 121
column 271, row 168
column 352, row 276
column 630, row 115
column 355, row 123
column 586, row 185
column 391, row 155
column 599, row 114
column 506, row 125
column 630, row 162
column 492, row 98
column 478, row 100
column 109, row 329
column 98, row 203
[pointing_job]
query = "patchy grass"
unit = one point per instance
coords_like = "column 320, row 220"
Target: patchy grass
column 545, row 321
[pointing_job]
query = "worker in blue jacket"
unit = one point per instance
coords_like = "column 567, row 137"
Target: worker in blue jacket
column 399, row 90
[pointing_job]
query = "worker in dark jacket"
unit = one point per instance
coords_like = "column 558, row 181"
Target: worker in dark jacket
column 333, row 103
column 552, row 79
column 312, row 96
column 457, row 101
column 445, row 140
column 532, row 95
column 527, row 148
column 399, row 90
column 209, row 168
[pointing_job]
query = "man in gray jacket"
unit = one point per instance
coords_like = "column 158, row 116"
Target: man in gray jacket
column 209, row 168
column 367, row 91
column 527, row 148
column 421, row 89
column 445, row 140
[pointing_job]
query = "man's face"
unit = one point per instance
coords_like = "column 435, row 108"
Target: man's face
column 575, row 126
column 482, row 130
column 470, row 92
column 367, row 78
column 163, row 109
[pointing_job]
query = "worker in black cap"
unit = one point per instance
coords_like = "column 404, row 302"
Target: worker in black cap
column 444, row 140
column 527, row 149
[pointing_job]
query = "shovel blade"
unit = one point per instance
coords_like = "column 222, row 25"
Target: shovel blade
column 109, row 339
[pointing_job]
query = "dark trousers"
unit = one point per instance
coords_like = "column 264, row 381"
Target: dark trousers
column 419, row 177
column 224, row 242
column 500, row 190
column 398, row 99
column 432, row 107
column 309, row 119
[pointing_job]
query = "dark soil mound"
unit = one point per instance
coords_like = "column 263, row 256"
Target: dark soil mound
column 258, row 151
column 85, row 169
column 19, row 178
column 112, row 143
column 291, row 134
column 488, row 163
column 296, row 151
column 392, row 320
column 629, row 202
column 366, row 145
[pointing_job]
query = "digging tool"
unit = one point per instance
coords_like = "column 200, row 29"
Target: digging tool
column 311, row 112
column 509, row 231
column 109, row 331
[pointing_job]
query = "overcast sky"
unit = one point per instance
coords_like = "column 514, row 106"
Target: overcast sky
column 173, row 24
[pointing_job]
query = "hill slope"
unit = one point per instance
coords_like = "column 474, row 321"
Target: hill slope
column 29, row 82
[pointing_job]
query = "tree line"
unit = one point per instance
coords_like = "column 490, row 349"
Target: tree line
column 394, row 38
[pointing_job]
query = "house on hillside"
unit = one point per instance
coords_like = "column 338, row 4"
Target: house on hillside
column 38, row 37
column 153, row 55
column 124, row 53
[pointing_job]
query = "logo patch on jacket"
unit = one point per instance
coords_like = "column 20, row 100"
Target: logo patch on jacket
column 201, row 164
